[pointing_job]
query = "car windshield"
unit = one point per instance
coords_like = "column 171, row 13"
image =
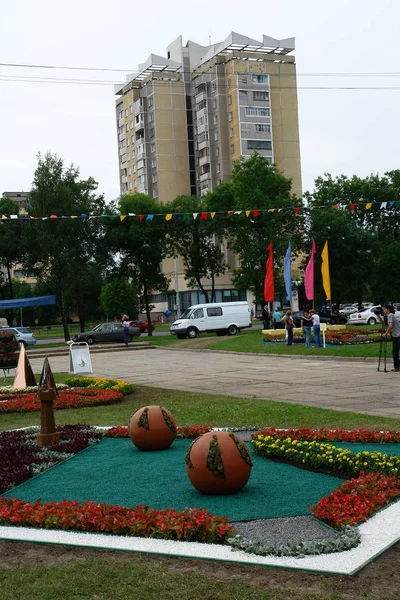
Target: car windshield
column 186, row 314
column 97, row 328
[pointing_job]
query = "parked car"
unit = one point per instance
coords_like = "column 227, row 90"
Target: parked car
column 366, row 317
column 143, row 326
column 106, row 332
column 348, row 309
column 23, row 335
column 325, row 316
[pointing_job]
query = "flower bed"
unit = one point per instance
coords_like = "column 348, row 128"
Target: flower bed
column 117, row 385
column 378, row 481
column 334, row 435
column 187, row 431
column 355, row 500
column 340, row 337
column 21, row 458
column 191, row 525
column 77, row 398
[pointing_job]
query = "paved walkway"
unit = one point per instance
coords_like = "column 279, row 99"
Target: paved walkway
column 347, row 385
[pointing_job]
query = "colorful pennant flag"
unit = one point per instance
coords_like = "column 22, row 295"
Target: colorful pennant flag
column 269, row 292
column 326, row 281
column 309, row 275
column 287, row 273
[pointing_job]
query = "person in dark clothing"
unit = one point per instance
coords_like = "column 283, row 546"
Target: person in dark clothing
column 266, row 317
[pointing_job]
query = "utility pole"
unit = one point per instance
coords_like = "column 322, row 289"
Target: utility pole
column 178, row 302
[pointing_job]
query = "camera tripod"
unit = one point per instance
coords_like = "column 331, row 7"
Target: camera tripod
column 382, row 350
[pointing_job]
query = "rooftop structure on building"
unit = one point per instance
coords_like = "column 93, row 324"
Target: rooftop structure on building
column 184, row 119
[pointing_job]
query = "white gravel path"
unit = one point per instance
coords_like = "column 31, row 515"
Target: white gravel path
column 377, row 535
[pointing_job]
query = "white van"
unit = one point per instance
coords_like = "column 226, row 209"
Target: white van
column 225, row 318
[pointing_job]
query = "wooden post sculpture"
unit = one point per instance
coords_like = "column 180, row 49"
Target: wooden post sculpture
column 48, row 435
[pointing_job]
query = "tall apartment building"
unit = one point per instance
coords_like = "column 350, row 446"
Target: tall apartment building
column 184, row 119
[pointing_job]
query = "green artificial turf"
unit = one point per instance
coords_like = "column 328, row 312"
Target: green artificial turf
column 115, row 472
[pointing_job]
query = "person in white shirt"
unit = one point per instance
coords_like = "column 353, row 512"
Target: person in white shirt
column 316, row 328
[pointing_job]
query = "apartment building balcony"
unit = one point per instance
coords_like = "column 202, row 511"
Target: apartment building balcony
column 204, row 176
column 202, row 112
column 200, row 97
column 139, row 126
column 121, row 136
column 204, row 160
column 203, row 145
column 124, row 179
column 120, row 122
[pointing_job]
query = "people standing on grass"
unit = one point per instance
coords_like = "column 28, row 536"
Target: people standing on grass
column 316, row 328
column 289, row 325
column 393, row 329
column 266, row 317
column 276, row 317
column 306, row 324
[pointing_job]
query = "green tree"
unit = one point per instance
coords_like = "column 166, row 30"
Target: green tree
column 11, row 249
column 196, row 242
column 139, row 244
column 258, row 185
column 64, row 252
column 364, row 242
column 119, row 296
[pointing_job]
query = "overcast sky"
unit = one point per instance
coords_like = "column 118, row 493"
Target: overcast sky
column 341, row 131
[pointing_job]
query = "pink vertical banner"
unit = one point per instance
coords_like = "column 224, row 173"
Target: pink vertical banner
column 309, row 275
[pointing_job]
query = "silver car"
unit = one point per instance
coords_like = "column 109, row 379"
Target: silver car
column 23, row 335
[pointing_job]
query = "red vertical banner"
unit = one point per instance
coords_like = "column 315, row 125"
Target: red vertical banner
column 269, row 293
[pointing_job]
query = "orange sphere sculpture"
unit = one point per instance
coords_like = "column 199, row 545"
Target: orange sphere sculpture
column 218, row 462
column 152, row 428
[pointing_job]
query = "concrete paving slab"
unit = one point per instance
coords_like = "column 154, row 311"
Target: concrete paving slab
column 337, row 384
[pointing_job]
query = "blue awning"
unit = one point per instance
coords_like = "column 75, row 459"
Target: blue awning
column 25, row 302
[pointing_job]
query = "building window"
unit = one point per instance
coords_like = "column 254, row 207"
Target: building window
column 132, row 139
column 262, row 128
column 216, row 151
column 229, row 100
column 218, row 168
column 215, row 119
column 257, row 111
column 215, row 103
column 230, row 116
column 216, row 136
column 153, row 163
column 261, row 96
column 152, row 132
column 229, row 83
column 121, row 114
column 243, row 79
column 259, row 78
column 152, row 147
column 150, row 102
column 128, row 142
column 231, row 132
column 130, row 171
column 131, row 108
column 232, row 148
column 140, row 164
column 151, row 117
column 127, row 127
column 130, row 185
column 243, row 93
column 126, row 112
column 129, row 157
column 154, row 178
column 259, row 145
column 142, row 179
column 155, row 193
column 213, row 87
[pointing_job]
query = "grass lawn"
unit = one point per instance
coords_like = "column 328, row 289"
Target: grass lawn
column 218, row 410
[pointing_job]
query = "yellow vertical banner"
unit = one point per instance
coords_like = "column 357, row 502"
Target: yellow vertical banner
column 326, row 280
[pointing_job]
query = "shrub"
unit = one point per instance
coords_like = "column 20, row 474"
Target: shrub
column 117, row 385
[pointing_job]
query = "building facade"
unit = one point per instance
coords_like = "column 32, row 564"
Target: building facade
column 184, row 119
